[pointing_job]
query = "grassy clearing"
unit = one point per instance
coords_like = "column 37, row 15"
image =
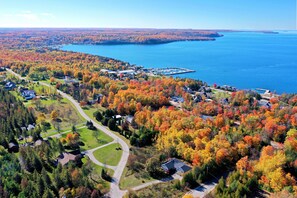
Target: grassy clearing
column 102, row 184
column 77, row 113
column 130, row 179
column 86, row 135
column 89, row 110
column 166, row 189
column 49, row 100
column 110, row 154
column 135, row 173
column 89, row 141
column 54, row 132
column 221, row 95
column 67, row 113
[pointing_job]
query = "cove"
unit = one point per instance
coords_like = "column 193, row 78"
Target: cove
column 246, row 60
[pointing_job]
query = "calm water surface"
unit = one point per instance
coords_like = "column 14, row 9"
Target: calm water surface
column 244, row 60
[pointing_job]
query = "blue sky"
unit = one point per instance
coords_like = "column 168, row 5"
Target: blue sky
column 196, row 14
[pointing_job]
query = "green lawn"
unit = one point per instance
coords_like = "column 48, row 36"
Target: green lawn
column 77, row 113
column 56, row 80
column 67, row 112
column 90, row 141
column 54, row 132
column 110, row 154
column 129, row 180
column 19, row 97
column 89, row 110
column 220, row 95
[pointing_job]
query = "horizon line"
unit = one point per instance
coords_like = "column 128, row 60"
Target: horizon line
column 152, row 28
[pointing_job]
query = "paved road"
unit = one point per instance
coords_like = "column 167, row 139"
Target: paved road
column 90, row 154
column 115, row 191
column 146, row 185
column 174, row 176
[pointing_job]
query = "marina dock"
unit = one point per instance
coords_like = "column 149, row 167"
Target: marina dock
column 170, row 71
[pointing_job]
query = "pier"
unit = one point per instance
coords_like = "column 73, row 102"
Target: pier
column 170, row 71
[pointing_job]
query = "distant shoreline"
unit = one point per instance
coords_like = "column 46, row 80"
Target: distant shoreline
column 209, row 76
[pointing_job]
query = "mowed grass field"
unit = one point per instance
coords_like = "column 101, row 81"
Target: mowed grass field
column 89, row 141
column 110, row 155
column 86, row 135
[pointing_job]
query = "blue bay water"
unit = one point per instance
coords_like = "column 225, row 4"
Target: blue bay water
column 245, row 60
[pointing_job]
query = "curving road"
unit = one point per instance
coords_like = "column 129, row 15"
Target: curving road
column 115, row 191
column 90, row 154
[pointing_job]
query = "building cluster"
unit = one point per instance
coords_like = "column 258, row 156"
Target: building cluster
column 25, row 92
column 120, row 74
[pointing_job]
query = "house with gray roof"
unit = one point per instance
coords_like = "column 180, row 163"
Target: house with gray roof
column 264, row 103
column 175, row 165
column 10, row 85
column 28, row 94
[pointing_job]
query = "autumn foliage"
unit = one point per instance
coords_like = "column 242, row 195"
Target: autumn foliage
column 261, row 142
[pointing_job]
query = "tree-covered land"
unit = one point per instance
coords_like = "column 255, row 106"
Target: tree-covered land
column 14, row 118
column 252, row 136
column 34, row 170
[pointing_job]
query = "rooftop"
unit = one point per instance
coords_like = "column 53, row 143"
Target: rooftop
column 175, row 164
column 67, row 157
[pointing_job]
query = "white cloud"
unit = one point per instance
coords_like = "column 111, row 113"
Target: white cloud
column 27, row 18
column 28, row 15
column 46, row 14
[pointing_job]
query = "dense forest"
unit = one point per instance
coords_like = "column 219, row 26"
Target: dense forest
column 32, row 170
column 41, row 180
column 19, row 38
column 221, row 132
column 13, row 117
